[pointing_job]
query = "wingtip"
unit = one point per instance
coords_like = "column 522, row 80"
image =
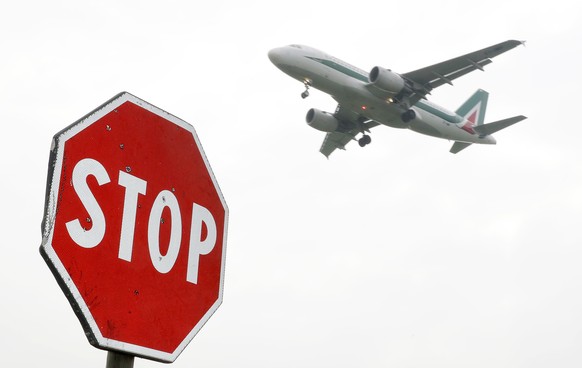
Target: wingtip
column 515, row 43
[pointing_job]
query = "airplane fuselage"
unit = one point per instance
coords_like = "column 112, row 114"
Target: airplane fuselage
column 347, row 85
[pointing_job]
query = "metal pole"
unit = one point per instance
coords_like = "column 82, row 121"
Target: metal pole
column 119, row 360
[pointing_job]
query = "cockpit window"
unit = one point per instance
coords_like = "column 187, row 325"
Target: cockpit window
column 296, row 46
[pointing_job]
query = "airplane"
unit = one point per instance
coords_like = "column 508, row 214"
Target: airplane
column 383, row 97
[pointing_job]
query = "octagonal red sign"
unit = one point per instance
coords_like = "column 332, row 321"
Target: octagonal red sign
column 135, row 228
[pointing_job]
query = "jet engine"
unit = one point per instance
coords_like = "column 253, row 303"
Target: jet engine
column 322, row 121
column 386, row 81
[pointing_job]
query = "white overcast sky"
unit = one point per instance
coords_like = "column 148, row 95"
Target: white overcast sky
column 397, row 255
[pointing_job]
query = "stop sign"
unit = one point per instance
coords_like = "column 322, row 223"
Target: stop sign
column 134, row 228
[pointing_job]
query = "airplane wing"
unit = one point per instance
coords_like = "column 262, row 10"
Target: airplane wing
column 426, row 79
column 354, row 124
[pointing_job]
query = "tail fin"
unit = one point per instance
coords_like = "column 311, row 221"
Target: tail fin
column 474, row 108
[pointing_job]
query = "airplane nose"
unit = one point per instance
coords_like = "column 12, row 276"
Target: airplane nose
column 275, row 55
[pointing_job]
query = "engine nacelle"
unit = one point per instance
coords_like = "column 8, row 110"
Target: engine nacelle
column 386, row 81
column 322, row 121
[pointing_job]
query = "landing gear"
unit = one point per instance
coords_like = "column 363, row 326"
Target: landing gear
column 365, row 140
column 307, row 84
column 408, row 116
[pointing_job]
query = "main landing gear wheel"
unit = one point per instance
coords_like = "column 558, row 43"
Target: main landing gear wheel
column 305, row 94
column 408, row 116
column 365, row 140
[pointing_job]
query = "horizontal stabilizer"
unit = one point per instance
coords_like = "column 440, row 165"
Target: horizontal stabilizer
column 459, row 146
column 487, row 129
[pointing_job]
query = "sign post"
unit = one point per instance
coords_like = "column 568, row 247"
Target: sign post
column 119, row 360
column 134, row 229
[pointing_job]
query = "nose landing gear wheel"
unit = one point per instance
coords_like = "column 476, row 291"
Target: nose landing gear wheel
column 307, row 84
